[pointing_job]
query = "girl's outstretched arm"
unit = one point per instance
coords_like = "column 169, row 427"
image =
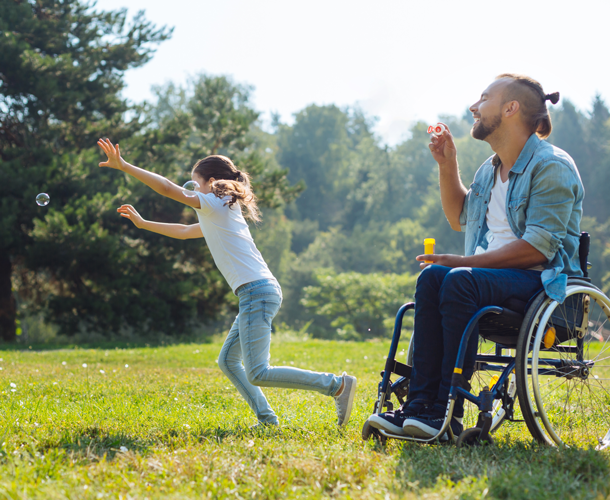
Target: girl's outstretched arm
column 156, row 182
column 178, row 231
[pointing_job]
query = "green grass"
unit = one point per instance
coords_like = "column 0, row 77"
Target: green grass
column 184, row 433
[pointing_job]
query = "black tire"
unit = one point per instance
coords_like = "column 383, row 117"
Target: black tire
column 472, row 437
column 369, row 432
column 521, row 365
column 366, row 431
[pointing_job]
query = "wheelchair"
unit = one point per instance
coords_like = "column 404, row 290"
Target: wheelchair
column 559, row 373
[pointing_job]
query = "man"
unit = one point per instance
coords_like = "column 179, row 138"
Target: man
column 521, row 217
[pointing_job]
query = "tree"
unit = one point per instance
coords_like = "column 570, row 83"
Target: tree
column 322, row 149
column 140, row 280
column 61, row 68
column 359, row 306
column 76, row 260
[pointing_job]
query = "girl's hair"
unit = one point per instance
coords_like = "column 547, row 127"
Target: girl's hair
column 229, row 181
column 532, row 100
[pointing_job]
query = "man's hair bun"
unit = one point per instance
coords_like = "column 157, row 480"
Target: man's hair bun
column 554, row 97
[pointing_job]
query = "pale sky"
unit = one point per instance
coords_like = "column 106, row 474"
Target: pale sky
column 400, row 61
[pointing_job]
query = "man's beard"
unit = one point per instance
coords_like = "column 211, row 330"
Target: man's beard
column 481, row 131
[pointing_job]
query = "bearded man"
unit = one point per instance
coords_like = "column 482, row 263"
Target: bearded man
column 521, row 217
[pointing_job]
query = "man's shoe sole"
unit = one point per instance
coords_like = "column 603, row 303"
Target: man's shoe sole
column 418, row 429
column 381, row 423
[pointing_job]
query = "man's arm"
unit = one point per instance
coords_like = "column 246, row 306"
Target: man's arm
column 516, row 255
column 453, row 191
column 554, row 191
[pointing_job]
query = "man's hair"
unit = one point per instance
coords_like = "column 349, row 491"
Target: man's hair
column 532, row 101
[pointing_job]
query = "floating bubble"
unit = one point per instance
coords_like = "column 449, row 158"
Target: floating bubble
column 43, row 199
column 189, row 188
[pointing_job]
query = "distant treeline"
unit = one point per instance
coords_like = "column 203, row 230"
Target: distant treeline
column 344, row 215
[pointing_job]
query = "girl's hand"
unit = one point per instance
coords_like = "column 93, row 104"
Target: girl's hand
column 443, row 148
column 131, row 213
column 114, row 155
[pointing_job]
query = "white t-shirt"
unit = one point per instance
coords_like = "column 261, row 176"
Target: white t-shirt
column 228, row 237
column 497, row 222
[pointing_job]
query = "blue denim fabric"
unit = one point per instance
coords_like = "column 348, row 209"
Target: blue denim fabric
column 249, row 341
column 445, row 301
column 543, row 207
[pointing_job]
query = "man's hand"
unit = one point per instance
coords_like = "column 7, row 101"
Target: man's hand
column 443, row 148
column 447, row 260
column 131, row 213
column 114, row 155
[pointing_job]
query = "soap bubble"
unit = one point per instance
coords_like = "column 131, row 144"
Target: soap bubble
column 189, row 188
column 43, row 199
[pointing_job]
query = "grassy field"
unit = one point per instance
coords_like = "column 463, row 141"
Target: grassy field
column 163, row 422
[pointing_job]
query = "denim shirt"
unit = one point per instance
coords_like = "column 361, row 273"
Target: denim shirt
column 543, row 207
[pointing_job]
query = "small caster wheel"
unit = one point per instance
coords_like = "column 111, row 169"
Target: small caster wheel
column 472, row 437
column 368, row 432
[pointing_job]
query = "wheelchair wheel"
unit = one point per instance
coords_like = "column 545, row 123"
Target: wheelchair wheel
column 369, row 432
column 563, row 367
column 482, row 378
column 472, row 437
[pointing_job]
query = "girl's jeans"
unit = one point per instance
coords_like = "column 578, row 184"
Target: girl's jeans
column 249, row 340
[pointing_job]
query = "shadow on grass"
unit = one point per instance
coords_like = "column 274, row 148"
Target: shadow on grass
column 509, row 470
column 102, row 344
column 93, row 443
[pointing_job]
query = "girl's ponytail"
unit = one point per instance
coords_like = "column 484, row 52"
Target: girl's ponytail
column 229, row 181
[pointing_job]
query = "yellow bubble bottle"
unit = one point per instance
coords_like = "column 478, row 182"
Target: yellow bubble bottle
column 429, row 244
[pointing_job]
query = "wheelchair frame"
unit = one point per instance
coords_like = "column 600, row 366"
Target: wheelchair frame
column 504, row 364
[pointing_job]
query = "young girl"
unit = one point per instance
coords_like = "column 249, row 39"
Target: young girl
column 224, row 191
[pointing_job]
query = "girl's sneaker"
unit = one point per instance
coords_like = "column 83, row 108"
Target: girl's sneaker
column 344, row 402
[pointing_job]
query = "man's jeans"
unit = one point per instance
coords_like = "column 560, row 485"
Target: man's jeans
column 249, row 340
column 445, row 301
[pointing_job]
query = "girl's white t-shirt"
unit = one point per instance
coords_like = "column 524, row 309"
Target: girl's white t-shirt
column 228, row 237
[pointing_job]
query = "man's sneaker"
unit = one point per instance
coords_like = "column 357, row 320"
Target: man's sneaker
column 391, row 421
column 344, row 402
column 429, row 423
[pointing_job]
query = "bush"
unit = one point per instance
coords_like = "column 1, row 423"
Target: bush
column 359, row 306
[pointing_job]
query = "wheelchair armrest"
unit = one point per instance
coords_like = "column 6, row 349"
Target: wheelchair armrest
column 511, row 315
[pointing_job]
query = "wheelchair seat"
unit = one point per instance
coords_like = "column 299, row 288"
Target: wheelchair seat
column 504, row 328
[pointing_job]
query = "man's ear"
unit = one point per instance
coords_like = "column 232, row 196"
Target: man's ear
column 511, row 108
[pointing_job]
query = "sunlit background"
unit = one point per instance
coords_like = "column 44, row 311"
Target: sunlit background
column 400, row 61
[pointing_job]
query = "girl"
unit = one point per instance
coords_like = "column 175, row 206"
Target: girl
column 223, row 193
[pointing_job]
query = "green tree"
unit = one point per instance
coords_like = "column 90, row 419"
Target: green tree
column 359, row 306
column 140, row 280
column 329, row 149
column 61, row 68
